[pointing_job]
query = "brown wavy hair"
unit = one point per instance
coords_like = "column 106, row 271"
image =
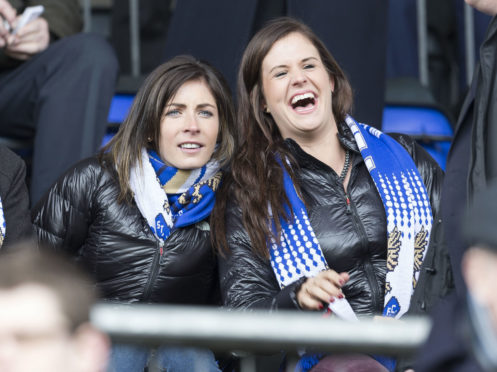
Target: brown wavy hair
column 143, row 120
column 256, row 178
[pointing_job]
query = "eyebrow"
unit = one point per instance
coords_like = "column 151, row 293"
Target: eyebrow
column 283, row 66
column 200, row 105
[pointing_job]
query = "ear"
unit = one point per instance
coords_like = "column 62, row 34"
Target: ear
column 92, row 349
column 332, row 83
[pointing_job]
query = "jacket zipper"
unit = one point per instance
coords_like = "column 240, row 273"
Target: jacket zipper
column 368, row 267
column 155, row 270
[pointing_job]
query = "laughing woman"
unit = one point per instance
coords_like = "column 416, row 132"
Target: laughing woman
column 137, row 216
column 319, row 210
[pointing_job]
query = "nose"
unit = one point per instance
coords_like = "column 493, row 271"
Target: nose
column 191, row 123
column 298, row 77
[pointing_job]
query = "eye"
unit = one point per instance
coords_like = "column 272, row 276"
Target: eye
column 279, row 74
column 173, row 112
column 309, row 66
column 206, row 113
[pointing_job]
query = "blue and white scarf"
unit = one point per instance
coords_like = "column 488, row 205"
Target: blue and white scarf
column 409, row 221
column 192, row 193
column 3, row 226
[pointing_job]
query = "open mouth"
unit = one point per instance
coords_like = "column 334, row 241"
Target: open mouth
column 190, row 146
column 303, row 102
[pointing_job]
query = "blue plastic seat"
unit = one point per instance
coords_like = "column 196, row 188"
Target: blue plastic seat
column 119, row 108
column 429, row 126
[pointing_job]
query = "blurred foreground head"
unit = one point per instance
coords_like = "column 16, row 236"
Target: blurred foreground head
column 44, row 311
column 480, row 260
column 479, row 267
column 485, row 6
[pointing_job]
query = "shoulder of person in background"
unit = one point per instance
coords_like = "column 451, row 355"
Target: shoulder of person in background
column 14, row 200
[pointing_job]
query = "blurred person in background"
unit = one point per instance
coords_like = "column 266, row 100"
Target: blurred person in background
column 15, row 222
column 319, row 212
column 56, row 85
column 137, row 216
column 464, row 334
column 472, row 160
column 45, row 303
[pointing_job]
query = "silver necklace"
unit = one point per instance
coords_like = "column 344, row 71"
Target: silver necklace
column 346, row 166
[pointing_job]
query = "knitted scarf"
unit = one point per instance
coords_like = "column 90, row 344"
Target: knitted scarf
column 2, row 224
column 170, row 198
column 409, row 221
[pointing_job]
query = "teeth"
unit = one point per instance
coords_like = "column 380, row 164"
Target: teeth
column 190, row 146
column 302, row 96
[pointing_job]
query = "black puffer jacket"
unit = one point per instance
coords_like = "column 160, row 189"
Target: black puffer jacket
column 81, row 216
column 353, row 238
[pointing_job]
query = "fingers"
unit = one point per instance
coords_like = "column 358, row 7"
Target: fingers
column 31, row 39
column 7, row 11
column 19, row 56
column 321, row 289
column 306, row 300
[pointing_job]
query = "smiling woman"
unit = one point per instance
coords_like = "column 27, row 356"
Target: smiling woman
column 320, row 212
column 138, row 214
column 297, row 88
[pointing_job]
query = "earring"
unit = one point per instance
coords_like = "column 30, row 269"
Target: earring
column 149, row 139
column 266, row 110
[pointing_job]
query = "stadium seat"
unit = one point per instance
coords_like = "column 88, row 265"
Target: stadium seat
column 118, row 110
column 428, row 125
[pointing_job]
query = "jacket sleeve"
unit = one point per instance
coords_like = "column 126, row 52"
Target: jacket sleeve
column 15, row 199
column 247, row 280
column 63, row 16
column 62, row 217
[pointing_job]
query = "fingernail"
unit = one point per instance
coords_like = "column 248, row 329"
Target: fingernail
column 341, row 281
column 321, row 307
column 340, row 296
column 327, row 313
column 332, row 299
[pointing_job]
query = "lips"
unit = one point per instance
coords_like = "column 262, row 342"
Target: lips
column 190, row 145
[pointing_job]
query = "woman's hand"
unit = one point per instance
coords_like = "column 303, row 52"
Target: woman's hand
column 321, row 289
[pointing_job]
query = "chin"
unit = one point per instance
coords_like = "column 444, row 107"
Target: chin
column 190, row 165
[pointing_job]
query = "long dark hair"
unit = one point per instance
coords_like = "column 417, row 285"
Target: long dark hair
column 256, row 179
column 141, row 128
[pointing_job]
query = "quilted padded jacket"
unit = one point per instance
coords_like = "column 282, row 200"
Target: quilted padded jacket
column 353, row 237
column 80, row 215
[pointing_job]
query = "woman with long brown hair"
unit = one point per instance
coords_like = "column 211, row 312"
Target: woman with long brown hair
column 318, row 212
column 137, row 216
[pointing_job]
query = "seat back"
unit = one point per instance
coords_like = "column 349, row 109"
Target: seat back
column 428, row 125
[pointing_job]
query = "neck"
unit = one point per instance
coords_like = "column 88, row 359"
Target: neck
column 326, row 148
